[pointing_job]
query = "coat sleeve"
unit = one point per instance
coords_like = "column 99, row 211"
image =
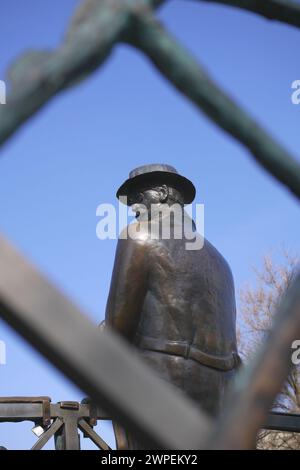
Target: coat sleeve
column 128, row 287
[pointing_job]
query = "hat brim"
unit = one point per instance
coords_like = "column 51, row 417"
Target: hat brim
column 182, row 184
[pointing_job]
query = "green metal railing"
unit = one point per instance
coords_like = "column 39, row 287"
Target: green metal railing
column 39, row 312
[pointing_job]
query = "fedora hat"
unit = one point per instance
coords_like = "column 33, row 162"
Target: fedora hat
column 157, row 173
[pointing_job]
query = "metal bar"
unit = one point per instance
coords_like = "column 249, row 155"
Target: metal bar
column 59, row 439
column 56, row 425
column 15, row 412
column 102, row 364
column 83, row 411
column 71, row 436
column 283, row 422
column 86, row 429
column 191, row 79
column 96, row 28
column 280, row 10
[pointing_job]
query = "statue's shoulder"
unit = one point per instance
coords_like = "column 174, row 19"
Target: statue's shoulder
column 216, row 259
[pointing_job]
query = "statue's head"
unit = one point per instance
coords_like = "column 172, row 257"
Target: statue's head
column 155, row 184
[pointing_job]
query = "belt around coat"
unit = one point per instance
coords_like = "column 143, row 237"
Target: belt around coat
column 187, row 351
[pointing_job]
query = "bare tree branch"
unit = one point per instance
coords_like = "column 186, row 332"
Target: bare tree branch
column 281, row 10
column 257, row 386
column 256, row 312
column 184, row 72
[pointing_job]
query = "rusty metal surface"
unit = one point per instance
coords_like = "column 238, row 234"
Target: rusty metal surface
column 50, row 432
column 67, row 418
column 14, row 412
column 88, row 431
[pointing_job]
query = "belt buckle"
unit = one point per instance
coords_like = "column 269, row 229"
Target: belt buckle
column 187, row 351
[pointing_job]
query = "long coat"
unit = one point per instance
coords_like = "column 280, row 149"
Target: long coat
column 177, row 306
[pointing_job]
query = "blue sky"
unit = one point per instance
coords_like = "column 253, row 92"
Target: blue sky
column 75, row 153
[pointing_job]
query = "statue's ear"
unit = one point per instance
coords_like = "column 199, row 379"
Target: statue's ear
column 163, row 193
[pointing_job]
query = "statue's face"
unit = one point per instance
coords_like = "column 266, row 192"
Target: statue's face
column 142, row 201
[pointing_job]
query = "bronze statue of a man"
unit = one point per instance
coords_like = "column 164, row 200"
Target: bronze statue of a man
column 174, row 302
